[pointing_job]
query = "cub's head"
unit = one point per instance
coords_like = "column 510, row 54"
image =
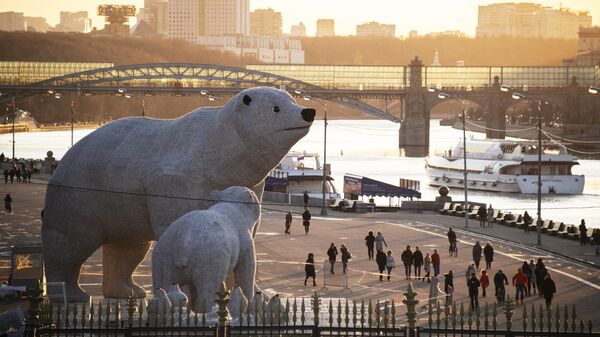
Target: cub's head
column 240, row 196
column 269, row 119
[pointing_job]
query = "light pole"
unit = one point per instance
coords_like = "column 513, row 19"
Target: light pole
column 324, row 187
column 522, row 96
column 14, row 115
column 72, row 121
column 443, row 95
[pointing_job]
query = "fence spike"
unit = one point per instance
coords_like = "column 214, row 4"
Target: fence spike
column 549, row 318
column 386, row 312
column 196, row 315
column 287, row 311
column 294, row 309
column 590, row 326
column 508, row 312
column 117, row 313
column 75, row 311
column 438, row 311
column 188, row 312
column 486, row 313
column 58, row 314
column 347, row 319
column 566, row 319
column 377, row 314
column 362, row 312
column 429, row 315
column 92, row 315
column 339, row 313
column 462, row 315
column 330, row 312
column 557, row 317
column 67, row 315
column 100, row 313
column 83, row 315
column 51, row 313
column 477, row 317
column 581, row 326
column 573, row 319
column 203, row 321
column 411, row 302
column 180, row 313
column 302, row 310
column 495, row 316
column 271, row 309
column 393, row 314
column 453, row 313
column 263, row 313
column 541, row 320
column 470, row 322
column 370, row 317
column 354, row 311
column 525, row 317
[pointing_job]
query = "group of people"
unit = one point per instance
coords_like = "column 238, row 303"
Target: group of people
column 305, row 221
column 23, row 174
column 332, row 254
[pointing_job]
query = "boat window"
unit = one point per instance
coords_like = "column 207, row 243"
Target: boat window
column 508, row 148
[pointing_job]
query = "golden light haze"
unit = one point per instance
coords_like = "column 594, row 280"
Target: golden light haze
column 423, row 15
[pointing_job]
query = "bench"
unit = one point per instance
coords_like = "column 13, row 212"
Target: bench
column 455, row 208
column 520, row 223
column 560, row 228
column 461, row 212
column 473, row 213
column 572, row 233
column 508, row 219
column 498, row 218
column 446, row 208
column 547, row 226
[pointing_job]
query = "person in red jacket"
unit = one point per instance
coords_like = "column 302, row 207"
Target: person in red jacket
column 435, row 261
column 484, row 279
column 520, row 282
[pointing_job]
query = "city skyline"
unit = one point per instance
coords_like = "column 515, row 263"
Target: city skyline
column 442, row 15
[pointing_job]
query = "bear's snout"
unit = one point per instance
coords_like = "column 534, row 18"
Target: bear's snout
column 308, row 114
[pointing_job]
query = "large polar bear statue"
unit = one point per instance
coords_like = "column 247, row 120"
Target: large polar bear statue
column 202, row 248
column 121, row 186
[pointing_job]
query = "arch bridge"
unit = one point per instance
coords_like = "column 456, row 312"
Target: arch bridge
column 183, row 79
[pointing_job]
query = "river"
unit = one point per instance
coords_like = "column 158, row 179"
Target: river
column 370, row 148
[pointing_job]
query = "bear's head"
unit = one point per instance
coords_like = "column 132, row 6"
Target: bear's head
column 240, row 196
column 268, row 120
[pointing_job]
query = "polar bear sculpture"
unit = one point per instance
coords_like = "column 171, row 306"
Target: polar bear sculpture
column 202, row 248
column 121, row 186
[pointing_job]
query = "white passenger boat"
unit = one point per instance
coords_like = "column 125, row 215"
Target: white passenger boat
column 299, row 172
column 506, row 166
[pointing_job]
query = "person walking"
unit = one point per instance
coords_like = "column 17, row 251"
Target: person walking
column 29, row 172
column 417, row 262
column 540, row 275
column 500, row 281
column 306, row 220
column 490, row 216
column 18, row 174
column 346, row 256
column 370, row 242
column 526, row 269
column 482, row 214
column 288, row 222
column 470, row 270
column 389, row 263
column 380, row 241
column 427, row 267
column 12, row 174
column 452, row 240
column 527, row 221
column 435, row 262
column 5, row 176
column 519, row 281
column 448, row 285
column 473, row 285
column 7, row 204
column 381, row 260
column 477, row 253
column 596, row 240
column 488, row 254
column 582, row 233
column 332, row 253
column 407, row 260
column 309, row 269
column 305, row 199
column 549, row 290
column 484, row 279
column 533, row 278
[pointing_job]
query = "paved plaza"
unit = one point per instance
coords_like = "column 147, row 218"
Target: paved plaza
column 575, row 269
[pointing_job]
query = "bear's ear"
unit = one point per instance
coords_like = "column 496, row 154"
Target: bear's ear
column 247, row 99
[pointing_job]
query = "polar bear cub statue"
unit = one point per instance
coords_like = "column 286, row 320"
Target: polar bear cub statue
column 201, row 248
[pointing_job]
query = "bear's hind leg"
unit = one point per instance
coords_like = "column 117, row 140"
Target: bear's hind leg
column 120, row 261
column 63, row 258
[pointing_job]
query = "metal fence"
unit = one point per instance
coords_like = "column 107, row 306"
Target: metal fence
column 314, row 316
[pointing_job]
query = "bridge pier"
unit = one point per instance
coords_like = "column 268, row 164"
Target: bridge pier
column 414, row 127
column 496, row 121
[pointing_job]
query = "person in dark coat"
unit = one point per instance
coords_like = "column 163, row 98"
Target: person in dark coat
column 482, row 214
column 488, row 254
column 370, row 242
column 500, row 281
column 6, row 176
column 449, row 284
column 309, row 269
column 527, row 221
column 12, row 175
column 18, row 174
column 540, row 275
column 305, row 199
column 332, row 253
column 407, row 260
column 306, row 220
column 526, row 269
column 346, row 256
column 477, row 253
column 288, row 222
column 417, row 262
column 582, row 233
column 8, row 204
column 473, row 285
column 549, row 290
column 381, row 260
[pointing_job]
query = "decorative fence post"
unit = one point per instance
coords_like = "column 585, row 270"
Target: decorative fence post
column 411, row 304
column 33, row 314
column 508, row 311
column 223, row 312
column 316, row 303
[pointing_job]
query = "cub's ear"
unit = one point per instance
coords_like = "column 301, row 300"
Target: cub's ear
column 247, row 99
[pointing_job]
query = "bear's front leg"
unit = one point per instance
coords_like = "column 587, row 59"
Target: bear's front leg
column 120, row 261
column 245, row 273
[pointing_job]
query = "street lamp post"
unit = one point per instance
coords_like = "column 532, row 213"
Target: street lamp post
column 72, row 121
column 324, row 187
column 443, row 95
column 522, row 96
column 14, row 115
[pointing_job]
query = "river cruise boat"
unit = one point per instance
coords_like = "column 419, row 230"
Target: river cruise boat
column 301, row 172
column 506, row 166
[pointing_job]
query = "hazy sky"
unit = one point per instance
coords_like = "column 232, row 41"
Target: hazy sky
column 422, row 15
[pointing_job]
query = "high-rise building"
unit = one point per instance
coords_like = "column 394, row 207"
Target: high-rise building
column 12, row 21
column 298, row 30
column 225, row 17
column 183, row 19
column 413, row 34
column 376, row 29
column 36, row 24
column 266, row 22
column 325, row 27
column 76, row 22
column 530, row 20
column 154, row 13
